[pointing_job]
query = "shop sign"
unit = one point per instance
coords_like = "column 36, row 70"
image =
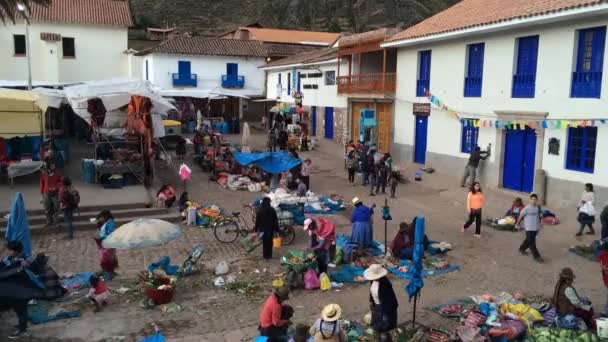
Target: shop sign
column 422, row 109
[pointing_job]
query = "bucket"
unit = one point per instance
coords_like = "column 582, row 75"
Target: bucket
column 602, row 327
column 276, row 242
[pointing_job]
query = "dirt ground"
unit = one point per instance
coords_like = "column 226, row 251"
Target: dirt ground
column 488, row 265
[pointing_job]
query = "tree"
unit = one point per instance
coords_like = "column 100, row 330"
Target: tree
column 8, row 8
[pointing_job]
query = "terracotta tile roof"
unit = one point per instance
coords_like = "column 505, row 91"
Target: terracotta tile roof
column 368, row 37
column 306, row 57
column 96, row 12
column 290, row 36
column 283, row 50
column 474, row 13
column 209, row 47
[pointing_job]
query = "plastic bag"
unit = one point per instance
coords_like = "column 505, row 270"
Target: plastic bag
column 339, row 255
column 219, row 281
column 278, row 282
column 251, row 242
column 294, row 280
column 311, row 281
column 221, row 268
column 276, row 242
column 325, row 283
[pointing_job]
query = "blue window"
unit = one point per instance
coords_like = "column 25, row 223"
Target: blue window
column 183, row 77
column 473, row 80
column 587, row 78
column 288, row 83
column 581, row 149
column 524, row 80
column 469, row 136
column 299, row 81
column 232, row 78
column 147, row 71
column 424, row 73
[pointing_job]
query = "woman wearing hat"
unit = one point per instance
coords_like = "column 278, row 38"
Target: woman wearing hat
column 567, row 301
column 361, row 219
column 329, row 327
column 383, row 301
column 322, row 240
column 274, row 317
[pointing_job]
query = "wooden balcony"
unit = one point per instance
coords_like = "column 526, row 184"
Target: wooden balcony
column 367, row 83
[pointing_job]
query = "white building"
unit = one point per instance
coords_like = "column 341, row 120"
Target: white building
column 534, row 63
column 69, row 41
column 191, row 65
column 313, row 76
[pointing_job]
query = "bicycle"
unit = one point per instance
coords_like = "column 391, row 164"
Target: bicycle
column 228, row 229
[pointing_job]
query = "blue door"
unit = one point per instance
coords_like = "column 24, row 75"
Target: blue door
column 314, row 121
column 420, row 144
column 183, row 69
column 329, row 122
column 520, row 154
column 232, row 70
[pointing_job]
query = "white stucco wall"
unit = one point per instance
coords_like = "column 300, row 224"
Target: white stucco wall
column 99, row 53
column 556, row 57
column 324, row 96
column 209, row 70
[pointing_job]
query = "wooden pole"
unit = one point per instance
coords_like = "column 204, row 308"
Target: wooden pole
column 385, row 230
column 414, row 312
column 384, row 70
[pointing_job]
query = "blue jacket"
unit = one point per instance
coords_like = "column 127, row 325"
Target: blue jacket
column 107, row 229
column 361, row 214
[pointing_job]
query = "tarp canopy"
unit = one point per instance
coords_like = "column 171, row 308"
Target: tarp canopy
column 18, row 228
column 21, row 113
column 271, row 162
column 115, row 95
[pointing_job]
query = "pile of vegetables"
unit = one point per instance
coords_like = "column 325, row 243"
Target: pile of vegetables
column 562, row 335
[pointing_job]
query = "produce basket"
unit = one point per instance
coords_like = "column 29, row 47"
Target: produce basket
column 163, row 296
column 298, row 261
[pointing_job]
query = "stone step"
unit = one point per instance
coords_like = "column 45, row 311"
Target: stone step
column 40, row 229
column 87, row 215
column 90, row 208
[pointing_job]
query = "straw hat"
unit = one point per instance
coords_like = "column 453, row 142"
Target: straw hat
column 375, row 272
column 356, row 201
column 307, row 223
column 331, row 313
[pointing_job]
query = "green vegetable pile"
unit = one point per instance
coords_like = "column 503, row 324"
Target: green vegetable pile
column 562, row 335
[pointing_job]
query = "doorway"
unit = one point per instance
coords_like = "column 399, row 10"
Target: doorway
column 329, row 122
column 519, row 160
column 421, row 136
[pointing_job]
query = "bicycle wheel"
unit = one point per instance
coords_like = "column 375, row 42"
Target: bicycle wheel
column 226, row 232
column 288, row 235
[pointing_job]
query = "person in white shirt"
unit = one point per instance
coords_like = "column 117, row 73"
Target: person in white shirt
column 586, row 211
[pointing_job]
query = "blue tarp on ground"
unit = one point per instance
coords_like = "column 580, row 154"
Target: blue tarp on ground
column 343, row 241
column 44, row 311
column 18, row 228
column 426, row 273
column 155, row 338
column 271, row 162
column 77, row 281
column 347, row 274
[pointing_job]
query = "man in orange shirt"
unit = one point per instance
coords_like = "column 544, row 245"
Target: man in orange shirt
column 50, row 184
column 274, row 317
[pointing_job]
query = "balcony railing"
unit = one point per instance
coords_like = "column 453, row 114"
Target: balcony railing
column 422, row 86
column 229, row 81
column 472, row 86
column 586, row 84
column 524, row 86
column 368, row 83
column 180, row 80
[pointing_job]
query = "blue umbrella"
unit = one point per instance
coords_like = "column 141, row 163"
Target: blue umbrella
column 416, row 284
column 18, row 228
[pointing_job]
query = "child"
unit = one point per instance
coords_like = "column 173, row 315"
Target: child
column 98, row 294
column 603, row 259
column 393, row 181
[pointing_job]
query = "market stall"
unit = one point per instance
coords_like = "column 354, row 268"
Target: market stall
column 21, row 132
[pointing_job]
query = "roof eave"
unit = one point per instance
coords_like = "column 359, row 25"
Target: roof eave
column 295, row 65
column 501, row 26
column 144, row 53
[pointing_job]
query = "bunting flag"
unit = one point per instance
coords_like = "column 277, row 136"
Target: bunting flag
column 511, row 124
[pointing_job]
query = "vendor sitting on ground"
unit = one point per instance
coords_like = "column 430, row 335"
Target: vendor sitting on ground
column 567, row 301
column 329, row 327
column 403, row 244
column 274, row 317
column 516, row 208
column 165, row 196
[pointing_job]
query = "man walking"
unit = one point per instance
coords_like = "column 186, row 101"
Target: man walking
column 50, row 183
column 531, row 217
column 473, row 165
column 69, row 199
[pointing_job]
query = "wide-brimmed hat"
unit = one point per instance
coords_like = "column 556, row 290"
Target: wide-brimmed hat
column 375, row 272
column 331, row 313
column 307, row 223
column 567, row 273
column 356, row 200
column 282, row 293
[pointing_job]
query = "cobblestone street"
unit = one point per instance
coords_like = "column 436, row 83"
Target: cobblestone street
column 490, row 264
